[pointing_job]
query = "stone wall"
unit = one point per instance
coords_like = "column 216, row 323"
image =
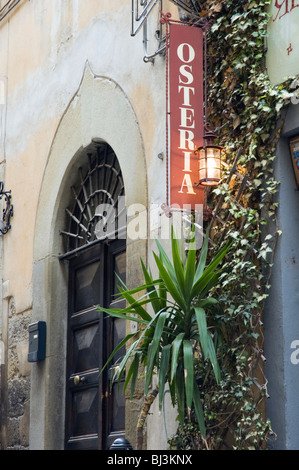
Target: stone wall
column 18, row 380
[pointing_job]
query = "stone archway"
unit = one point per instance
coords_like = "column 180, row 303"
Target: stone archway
column 100, row 110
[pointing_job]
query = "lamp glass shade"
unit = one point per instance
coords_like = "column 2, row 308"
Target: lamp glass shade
column 209, row 165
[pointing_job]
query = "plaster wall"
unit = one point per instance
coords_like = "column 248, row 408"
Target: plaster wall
column 71, row 72
column 43, row 76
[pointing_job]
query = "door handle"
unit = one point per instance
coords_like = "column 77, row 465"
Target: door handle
column 105, row 395
column 78, row 380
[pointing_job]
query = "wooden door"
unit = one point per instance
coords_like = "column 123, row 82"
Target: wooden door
column 95, row 407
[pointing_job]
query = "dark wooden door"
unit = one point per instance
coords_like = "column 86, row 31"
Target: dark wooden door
column 95, row 407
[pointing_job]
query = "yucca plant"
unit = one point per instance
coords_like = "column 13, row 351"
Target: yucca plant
column 167, row 341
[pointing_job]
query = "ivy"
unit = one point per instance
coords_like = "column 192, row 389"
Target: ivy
column 250, row 127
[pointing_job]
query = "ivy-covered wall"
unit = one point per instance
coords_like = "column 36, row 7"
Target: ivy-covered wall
column 248, row 114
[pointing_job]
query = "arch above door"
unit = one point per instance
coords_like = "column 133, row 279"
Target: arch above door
column 99, row 112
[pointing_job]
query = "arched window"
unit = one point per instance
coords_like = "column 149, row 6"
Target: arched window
column 98, row 210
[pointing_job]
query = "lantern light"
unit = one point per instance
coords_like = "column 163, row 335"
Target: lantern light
column 209, row 159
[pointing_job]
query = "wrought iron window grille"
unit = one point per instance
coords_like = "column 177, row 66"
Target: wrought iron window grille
column 96, row 214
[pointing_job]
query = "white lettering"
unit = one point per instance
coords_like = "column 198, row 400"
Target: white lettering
column 122, row 217
column 186, row 54
column 120, row 460
column 190, row 52
column 187, row 156
column 186, row 139
column 137, row 222
column 187, row 118
column 186, row 92
column 295, row 354
column 106, row 225
column 186, row 74
column 188, row 184
column 160, row 460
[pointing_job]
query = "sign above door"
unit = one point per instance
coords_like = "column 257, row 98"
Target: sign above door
column 282, row 43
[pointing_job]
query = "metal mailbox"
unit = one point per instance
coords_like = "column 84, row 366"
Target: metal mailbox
column 37, row 341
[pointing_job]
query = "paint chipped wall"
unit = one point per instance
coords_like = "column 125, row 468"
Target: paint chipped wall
column 44, row 48
column 43, row 73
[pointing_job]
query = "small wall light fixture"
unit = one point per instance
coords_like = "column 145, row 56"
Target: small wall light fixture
column 209, row 160
column 7, row 210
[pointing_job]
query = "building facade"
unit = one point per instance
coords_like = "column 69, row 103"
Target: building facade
column 78, row 103
column 83, row 129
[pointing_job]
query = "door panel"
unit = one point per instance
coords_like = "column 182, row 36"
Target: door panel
column 95, row 408
column 115, row 409
column 87, row 282
column 85, row 411
column 85, row 348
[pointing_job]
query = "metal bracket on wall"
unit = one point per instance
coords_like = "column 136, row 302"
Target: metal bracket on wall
column 139, row 16
column 7, row 8
column 7, row 210
column 141, row 10
column 191, row 7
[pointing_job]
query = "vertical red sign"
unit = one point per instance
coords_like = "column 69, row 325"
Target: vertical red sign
column 186, row 112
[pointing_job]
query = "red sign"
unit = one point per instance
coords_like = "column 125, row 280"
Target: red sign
column 186, row 112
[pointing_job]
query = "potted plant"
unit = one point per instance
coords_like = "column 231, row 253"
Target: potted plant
column 167, row 342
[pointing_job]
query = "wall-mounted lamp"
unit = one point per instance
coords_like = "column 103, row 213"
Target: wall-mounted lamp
column 209, row 160
column 7, row 210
